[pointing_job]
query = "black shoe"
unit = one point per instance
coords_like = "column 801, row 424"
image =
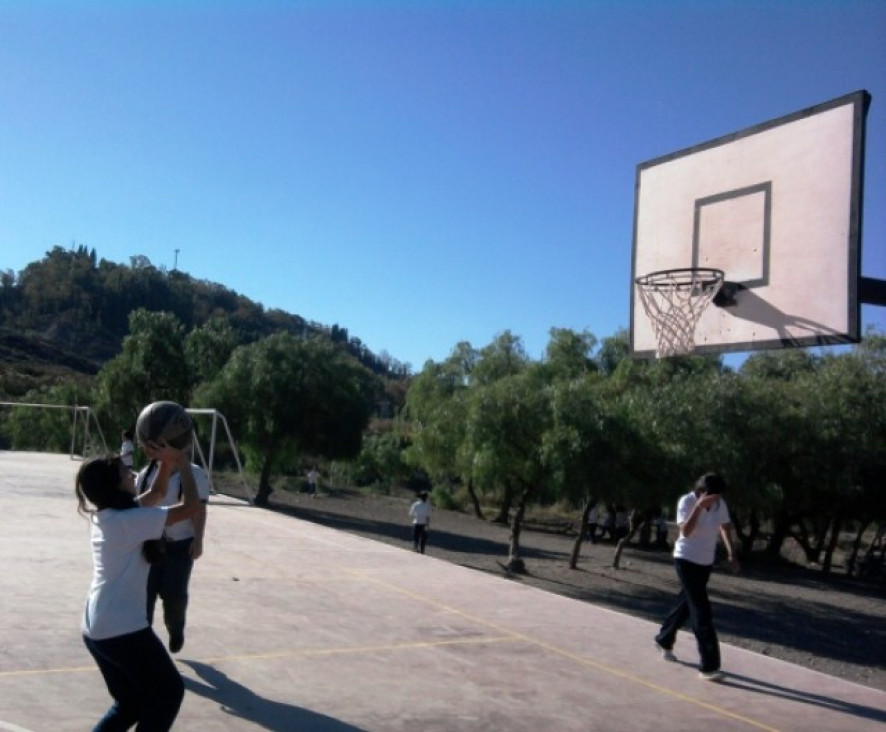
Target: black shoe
column 176, row 641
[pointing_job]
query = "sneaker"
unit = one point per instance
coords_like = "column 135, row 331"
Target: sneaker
column 711, row 675
column 666, row 653
column 176, row 641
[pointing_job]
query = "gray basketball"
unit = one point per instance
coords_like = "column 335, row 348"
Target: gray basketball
column 166, row 421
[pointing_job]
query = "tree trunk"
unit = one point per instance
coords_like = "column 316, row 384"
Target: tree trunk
column 856, row 546
column 582, row 524
column 636, row 521
column 504, row 513
column 836, row 528
column 475, row 500
column 515, row 563
column 264, row 481
column 780, row 531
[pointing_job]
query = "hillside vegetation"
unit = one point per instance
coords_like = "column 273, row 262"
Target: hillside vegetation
column 63, row 317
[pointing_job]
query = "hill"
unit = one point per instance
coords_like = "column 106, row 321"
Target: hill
column 63, row 317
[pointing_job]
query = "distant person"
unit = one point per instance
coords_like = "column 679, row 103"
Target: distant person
column 608, row 527
column 140, row 676
column 127, row 449
column 183, row 545
column 593, row 522
column 313, row 476
column 420, row 511
column 702, row 517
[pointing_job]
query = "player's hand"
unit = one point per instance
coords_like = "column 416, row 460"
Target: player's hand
column 166, row 453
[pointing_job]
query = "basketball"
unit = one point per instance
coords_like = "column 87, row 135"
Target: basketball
column 166, row 421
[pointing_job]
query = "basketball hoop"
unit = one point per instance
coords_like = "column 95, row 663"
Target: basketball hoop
column 674, row 300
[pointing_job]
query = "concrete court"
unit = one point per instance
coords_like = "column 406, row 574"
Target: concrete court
column 294, row 626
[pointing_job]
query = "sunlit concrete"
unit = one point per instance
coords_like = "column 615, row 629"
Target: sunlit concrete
column 294, row 626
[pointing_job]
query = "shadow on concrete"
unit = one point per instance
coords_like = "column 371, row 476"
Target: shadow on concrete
column 748, row 684
column 238, row 701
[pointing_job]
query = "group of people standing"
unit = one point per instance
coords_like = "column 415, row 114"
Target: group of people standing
column 146, row 532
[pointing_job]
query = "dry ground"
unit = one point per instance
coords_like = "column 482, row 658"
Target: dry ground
column 831, row 624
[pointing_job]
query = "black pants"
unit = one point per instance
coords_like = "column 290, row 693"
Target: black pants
column 169, row 579
column 419, row 537
column 693, row 603
column 142, row 679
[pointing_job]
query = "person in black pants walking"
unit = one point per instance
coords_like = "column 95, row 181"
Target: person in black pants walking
column 421, row 521
column 703, row 517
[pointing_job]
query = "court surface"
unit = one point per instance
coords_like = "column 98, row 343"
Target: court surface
column 294, row 626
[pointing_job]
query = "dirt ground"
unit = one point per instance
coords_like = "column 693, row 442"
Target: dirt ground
column 830, row 624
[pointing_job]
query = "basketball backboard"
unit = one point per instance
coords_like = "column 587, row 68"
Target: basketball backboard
column 777, row 207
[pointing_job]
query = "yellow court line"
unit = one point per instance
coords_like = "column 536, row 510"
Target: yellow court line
column 560, row 651
column 292, row 653
column 348, row 650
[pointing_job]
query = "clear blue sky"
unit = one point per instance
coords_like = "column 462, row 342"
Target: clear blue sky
column 420, row 173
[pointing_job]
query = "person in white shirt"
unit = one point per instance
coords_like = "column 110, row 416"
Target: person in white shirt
column 593, row 522
column 703, row 518
column 421, row 521
column 127, row 450
column 139, row 674
column 183, row 545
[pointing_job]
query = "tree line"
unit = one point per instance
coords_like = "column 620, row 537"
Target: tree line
column 800, row 436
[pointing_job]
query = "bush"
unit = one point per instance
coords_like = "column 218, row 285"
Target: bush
column 442, row 498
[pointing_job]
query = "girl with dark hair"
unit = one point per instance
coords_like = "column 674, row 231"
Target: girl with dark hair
column 703, row 519
column 142, row 679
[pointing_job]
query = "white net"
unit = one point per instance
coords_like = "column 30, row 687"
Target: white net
column 674, row 300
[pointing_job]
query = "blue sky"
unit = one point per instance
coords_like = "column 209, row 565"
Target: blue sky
column 420, row 173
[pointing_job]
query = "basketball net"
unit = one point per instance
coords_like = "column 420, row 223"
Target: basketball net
column 674, row 300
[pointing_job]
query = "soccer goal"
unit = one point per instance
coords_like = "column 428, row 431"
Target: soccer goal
column 217, row 420
column 86, row 433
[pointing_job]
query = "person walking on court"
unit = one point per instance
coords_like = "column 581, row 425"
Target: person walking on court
column 421, row 521
column 702, row 517
column 140, row 676
column 313, row 475
column 127, row 450
column 593, row 522
column 183, row 543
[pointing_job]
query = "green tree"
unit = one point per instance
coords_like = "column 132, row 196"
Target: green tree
column 208, row 348
column 285, row 397
column 436, row 407
column 506, row 420
column 151, row 367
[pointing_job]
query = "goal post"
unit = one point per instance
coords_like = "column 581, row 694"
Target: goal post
column 218, row 419
column 85, row 429
column 87, row 438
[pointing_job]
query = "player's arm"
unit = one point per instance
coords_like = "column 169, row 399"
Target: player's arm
column 190, row 503
column 729, row 543
column 156, row 491
column 701, row 505
column 199, row 520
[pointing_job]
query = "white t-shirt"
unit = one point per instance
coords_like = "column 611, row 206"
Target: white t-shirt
column 420, row 512
column 127, row 453
column 182, row 529
column 118, row 595
column 701, row 546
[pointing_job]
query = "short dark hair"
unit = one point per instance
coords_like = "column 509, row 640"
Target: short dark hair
column 711, row 483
